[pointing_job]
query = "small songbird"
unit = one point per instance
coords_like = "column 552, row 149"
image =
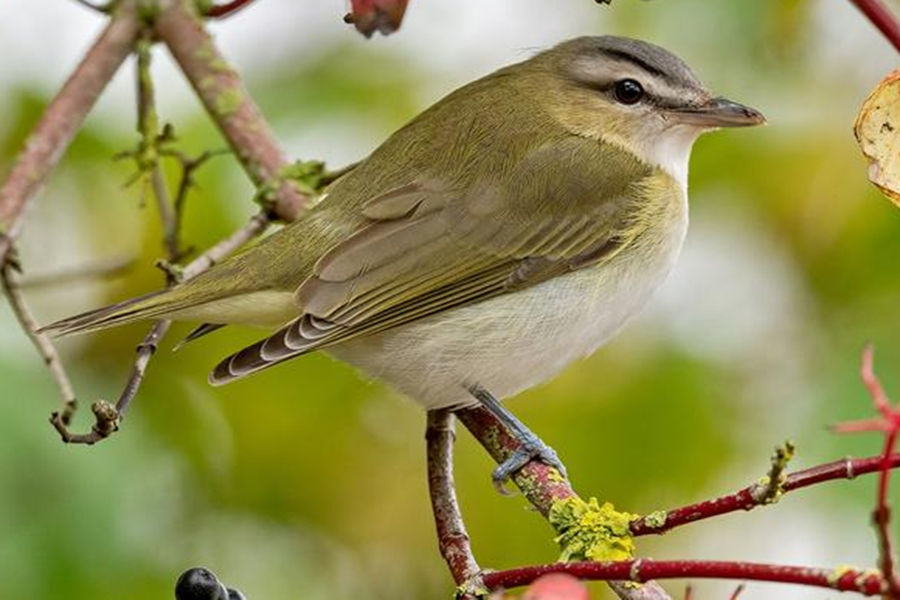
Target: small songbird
column 507, row 231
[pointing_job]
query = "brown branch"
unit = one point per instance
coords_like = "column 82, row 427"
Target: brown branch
column 107, row 417
column 882, row 18
column 61, row 120
column 214, row 255
column 41, row 342
column 453, row 540
column 228, row 104
column 147, row 156
column 867, row 583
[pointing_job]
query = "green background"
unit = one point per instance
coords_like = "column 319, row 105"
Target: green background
column 307, row 481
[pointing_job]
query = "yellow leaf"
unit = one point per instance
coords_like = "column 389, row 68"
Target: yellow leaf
column 877, row 130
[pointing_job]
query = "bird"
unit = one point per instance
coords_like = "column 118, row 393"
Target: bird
column 504, row 233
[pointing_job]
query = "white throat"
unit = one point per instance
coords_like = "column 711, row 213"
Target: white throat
column 671, row 152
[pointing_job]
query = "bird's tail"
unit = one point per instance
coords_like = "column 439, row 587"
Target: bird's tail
column 157, row 304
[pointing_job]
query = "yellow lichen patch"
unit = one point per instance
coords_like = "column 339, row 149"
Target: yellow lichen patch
column 591, row 531
column 877, row 130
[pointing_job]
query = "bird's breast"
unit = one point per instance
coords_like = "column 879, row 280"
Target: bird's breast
column 519, row 340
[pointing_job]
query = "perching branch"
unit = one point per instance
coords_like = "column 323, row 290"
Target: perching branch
column 544, row 487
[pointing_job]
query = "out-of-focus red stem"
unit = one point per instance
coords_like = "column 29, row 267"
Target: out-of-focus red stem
column 867, row 583
column 220, row 11
column 882, row 517
column 882, row 18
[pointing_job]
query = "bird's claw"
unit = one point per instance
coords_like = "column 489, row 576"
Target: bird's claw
column 531, row 448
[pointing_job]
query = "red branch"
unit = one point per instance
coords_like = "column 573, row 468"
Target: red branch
column 220, row 11
column 61, row 120
column 868, row 583
column 882, row 18
column 745, row 499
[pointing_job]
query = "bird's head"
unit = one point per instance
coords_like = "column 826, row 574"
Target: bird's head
column 636, row 95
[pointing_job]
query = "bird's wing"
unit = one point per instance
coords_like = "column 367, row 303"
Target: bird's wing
column 426, row 249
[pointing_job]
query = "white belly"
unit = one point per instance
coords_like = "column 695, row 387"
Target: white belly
column 513, row 342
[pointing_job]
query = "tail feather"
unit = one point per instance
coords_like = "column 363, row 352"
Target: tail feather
column 149, row 306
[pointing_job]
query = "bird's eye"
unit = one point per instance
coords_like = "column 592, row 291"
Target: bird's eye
column 628, row 91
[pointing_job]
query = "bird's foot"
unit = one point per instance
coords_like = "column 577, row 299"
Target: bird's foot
column 531, row 448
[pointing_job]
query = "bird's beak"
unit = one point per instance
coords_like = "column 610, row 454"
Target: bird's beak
column 718, row 112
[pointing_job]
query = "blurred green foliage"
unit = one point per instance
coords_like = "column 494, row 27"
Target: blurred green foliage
column 308, row 482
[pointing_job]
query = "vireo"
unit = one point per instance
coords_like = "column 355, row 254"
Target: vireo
column 508, row 230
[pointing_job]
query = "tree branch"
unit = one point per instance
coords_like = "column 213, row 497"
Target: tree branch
column 41, row 342
column 748, row 497
column 453, row 540
column 868, row 583
column 542, row 485
column 228, row 104
column 61, row 120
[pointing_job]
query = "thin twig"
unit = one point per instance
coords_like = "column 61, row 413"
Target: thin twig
column 108, row 417
column 882, row 17
column 220, row 89
column 737, row 592
column 881, row 516
column 61, row 120
column 100, row 8
column 226, row 9
column 214, row 255
column 453, row 540
column 746, row 498
column 94, row 270
column 41, row 342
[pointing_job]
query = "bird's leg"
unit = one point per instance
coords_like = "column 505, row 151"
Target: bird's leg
column 530, row 446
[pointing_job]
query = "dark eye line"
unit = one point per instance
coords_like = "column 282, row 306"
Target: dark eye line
column 607, row 88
